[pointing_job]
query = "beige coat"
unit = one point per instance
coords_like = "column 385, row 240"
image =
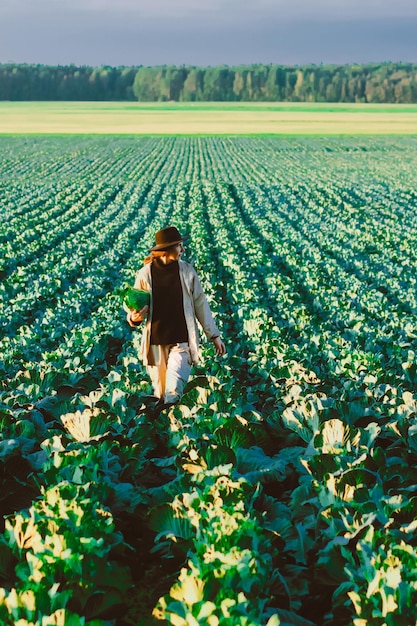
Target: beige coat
column 195, row 307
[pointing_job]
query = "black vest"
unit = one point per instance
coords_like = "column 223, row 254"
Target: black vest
column 168, row 320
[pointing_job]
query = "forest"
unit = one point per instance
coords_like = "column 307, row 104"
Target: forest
column 375, row 82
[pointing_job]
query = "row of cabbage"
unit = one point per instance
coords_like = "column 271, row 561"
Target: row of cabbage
column 280, row 489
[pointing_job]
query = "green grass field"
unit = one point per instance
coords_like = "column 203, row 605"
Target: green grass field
column 206, row 118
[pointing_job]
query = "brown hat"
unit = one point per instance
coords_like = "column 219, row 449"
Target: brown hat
column 167, row 237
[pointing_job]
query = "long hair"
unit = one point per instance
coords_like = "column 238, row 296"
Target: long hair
column 156, row 254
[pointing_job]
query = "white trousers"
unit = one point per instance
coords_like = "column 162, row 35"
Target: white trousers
column 171, row 370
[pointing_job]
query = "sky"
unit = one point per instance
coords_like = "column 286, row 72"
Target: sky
column 207, row 32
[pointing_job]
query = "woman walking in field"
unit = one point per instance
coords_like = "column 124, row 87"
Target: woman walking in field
column 169, row 344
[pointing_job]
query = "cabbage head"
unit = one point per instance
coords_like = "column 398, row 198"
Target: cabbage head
column 135, row 298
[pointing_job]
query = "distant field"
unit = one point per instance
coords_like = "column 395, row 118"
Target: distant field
column 206, row 118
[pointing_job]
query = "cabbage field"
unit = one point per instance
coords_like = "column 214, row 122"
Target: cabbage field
column 282, row 489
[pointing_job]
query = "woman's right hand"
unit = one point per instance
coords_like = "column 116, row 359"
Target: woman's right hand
column 139, row 316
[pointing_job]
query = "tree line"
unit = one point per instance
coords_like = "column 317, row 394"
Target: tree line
column 376, row 82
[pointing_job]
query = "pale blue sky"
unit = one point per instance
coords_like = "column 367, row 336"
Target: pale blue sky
column 193, row 32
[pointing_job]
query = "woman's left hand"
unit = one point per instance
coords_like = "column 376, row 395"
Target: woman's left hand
column 219, row 346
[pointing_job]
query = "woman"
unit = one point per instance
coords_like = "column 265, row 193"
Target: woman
column 170, row 339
